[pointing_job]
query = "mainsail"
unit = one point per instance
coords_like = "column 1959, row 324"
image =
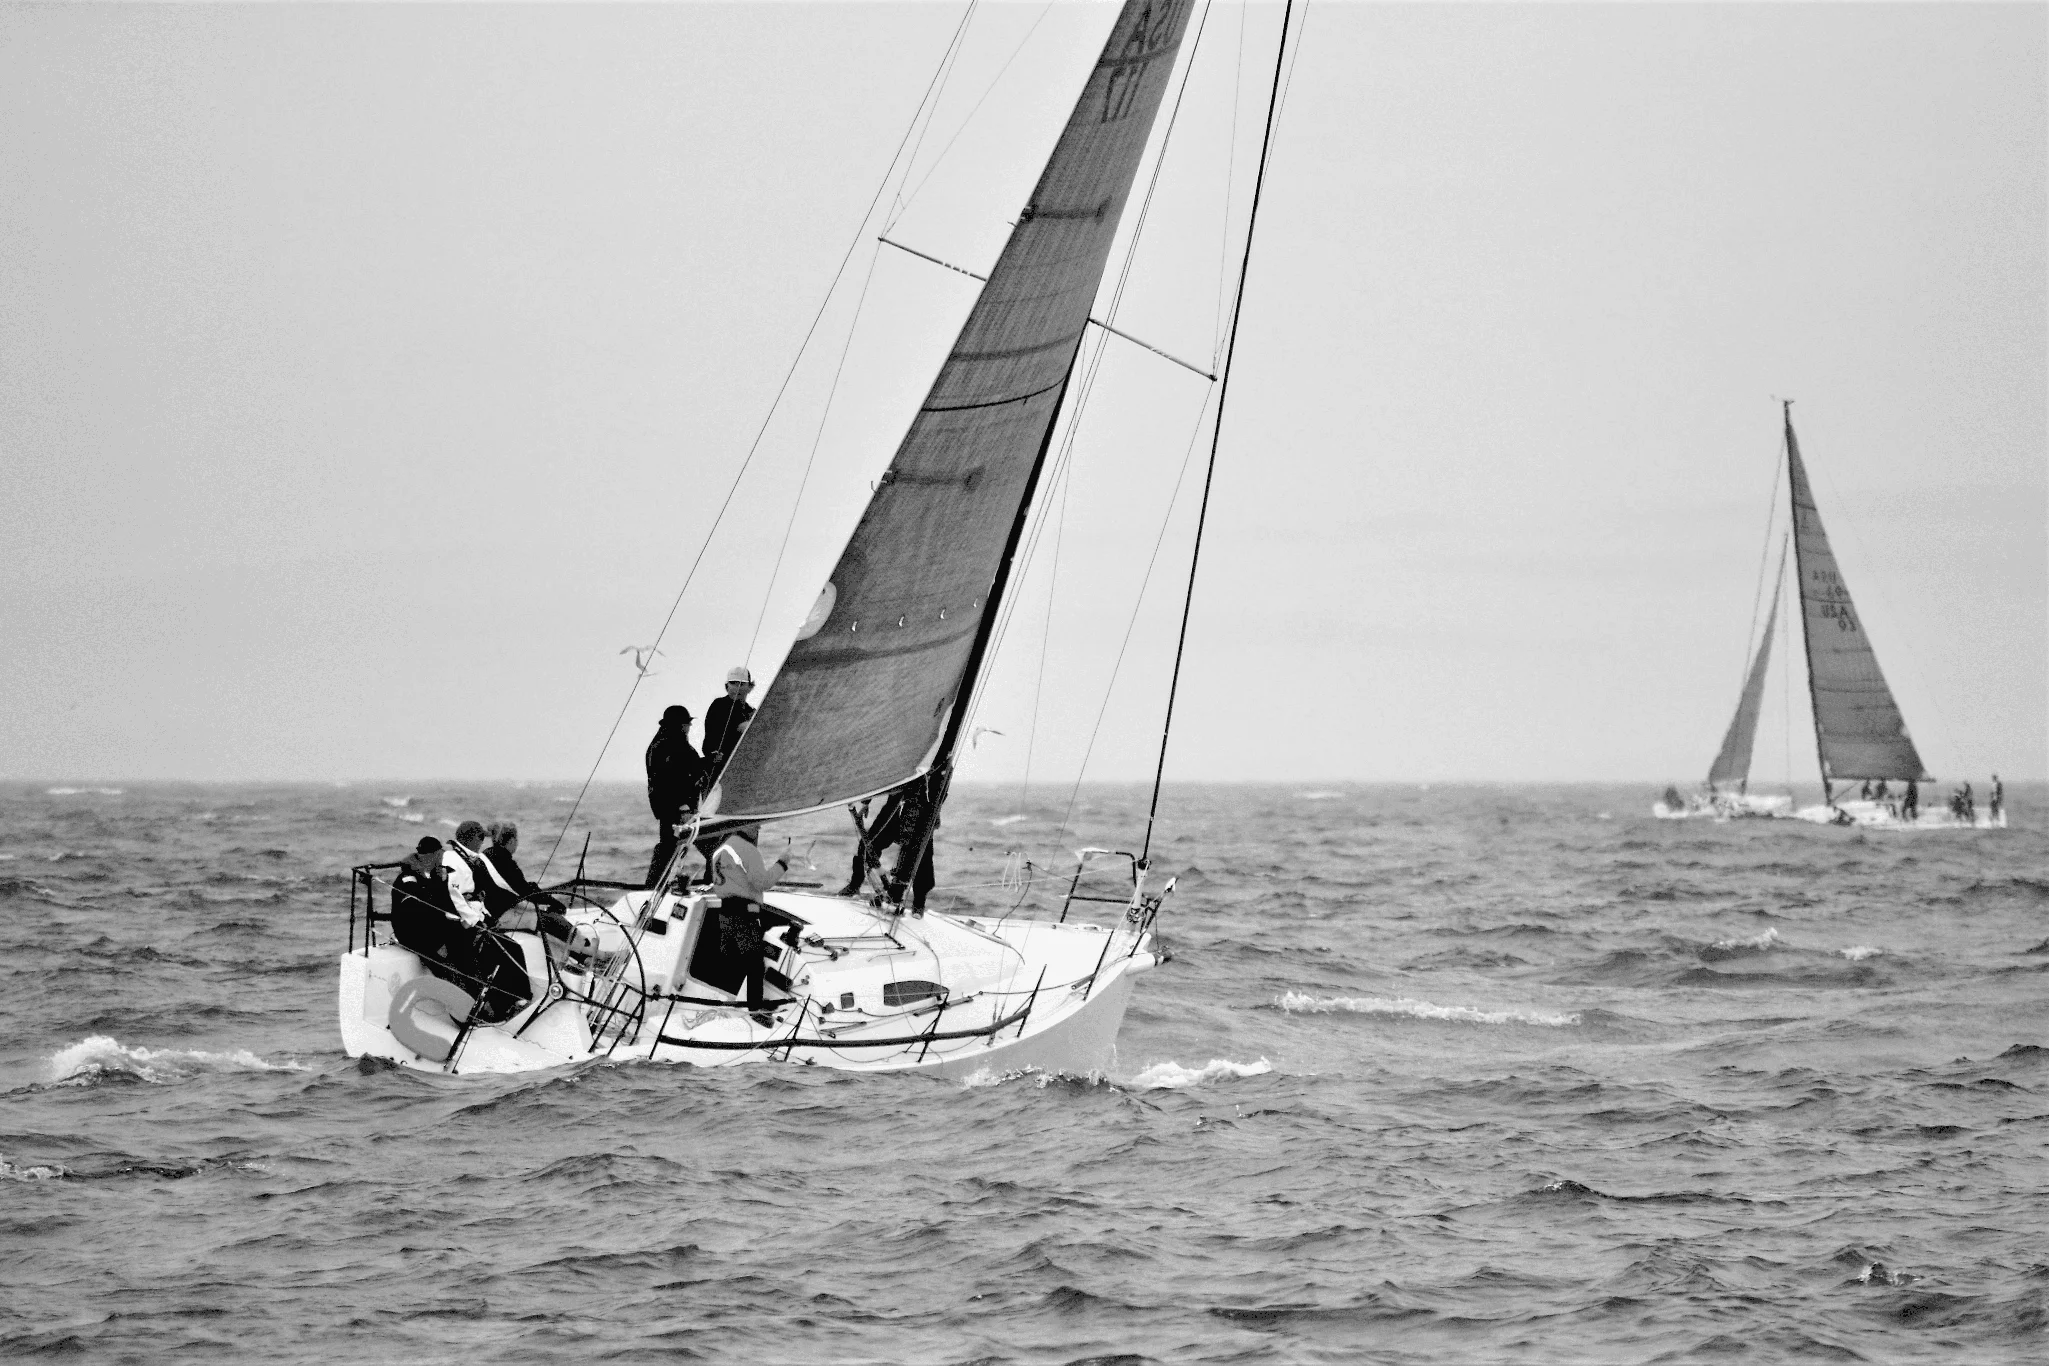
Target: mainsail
column 864, row 700
column 1857, row 725
column 1732, row 764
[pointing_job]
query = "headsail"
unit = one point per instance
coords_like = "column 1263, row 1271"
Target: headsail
column 863, row 701
column 1857, row 725
column 1732, row 765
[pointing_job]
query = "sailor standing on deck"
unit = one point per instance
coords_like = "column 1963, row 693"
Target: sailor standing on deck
column 675, row 777
column 740, row 879
column 725, row 721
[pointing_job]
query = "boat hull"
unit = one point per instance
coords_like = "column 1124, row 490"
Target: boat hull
column 1058, row 1010
column 1872, row 815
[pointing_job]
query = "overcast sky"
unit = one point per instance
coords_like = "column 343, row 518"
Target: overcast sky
column 371, row 375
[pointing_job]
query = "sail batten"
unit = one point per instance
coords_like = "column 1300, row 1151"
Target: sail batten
column 1858, row 729
column 1732, row 762
column 864, row 698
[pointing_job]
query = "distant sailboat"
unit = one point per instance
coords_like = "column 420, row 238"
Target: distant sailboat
column 1860, row 735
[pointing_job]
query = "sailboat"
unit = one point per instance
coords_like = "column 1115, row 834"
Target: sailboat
column 872, row 699
column 1860, row 736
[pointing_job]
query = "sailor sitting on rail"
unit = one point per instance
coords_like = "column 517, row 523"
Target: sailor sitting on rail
column 496, row 968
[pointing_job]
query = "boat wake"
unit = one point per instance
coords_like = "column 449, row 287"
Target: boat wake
column 100, row 1056
column 1297, row 1003
column 1172, row 1076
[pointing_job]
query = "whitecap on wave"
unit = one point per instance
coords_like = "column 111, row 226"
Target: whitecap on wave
column 1296, row 1002
column 396, row 801
column 81, row 791
column 1755, row 941
column 100, row 1054
column 10, row 1172
column 1010, row 820
column 1172, row 1076
column 1317, row 796
column 1859, row 952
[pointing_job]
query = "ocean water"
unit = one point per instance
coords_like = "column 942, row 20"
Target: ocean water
column 1434, row 1075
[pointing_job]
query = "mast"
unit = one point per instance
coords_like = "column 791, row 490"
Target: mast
column 1793, row 484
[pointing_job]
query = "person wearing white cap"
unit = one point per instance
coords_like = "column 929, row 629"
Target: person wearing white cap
column 725, row 720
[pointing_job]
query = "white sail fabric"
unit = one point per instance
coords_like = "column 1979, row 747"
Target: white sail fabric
column 1732, row 764
column 862, row 702
column 1857, row 725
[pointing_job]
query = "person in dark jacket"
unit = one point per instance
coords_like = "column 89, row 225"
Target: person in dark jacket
column 899, row 824
column 510, row 888
column 725, row 721
column 675, row 777
column 422, row 917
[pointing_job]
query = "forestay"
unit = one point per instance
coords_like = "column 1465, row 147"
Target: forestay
column 1858, row 726
column 862, row 702
column 1732, row 765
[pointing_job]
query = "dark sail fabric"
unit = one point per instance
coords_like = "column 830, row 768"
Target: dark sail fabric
column 1732, row 765
column 862, row 701
column 1857, row 724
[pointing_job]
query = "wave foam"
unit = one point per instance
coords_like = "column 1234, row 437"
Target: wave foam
column 1172, row 1076
column 10, row 1172
column 81, row 791
column 99, row 1055
column 1858, row 953
column 1296, row 1002
column 1756, row 941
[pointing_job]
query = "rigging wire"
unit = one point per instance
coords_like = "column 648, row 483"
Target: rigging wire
column 1131, row 624
column 775, row 403
column 903, row 202
column 1281, row 67
column 1771, row 517
column 810, row 460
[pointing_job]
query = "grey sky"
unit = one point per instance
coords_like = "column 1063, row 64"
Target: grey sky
column 370, row 376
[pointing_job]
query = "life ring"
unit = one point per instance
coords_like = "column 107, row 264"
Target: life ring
column 424, row 999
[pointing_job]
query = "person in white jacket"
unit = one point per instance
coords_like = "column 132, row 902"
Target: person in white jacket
column 740, row 878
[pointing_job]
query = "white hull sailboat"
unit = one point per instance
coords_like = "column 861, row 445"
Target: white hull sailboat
column 872, row 699
column 1860, row 736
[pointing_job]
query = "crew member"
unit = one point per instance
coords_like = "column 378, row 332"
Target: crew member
column 725, row 721
column 422, row 918
column 496, row 968
column 1996, row 799
column 901, row 823
column 675, row 777
column 515, row 900
column 740, row 879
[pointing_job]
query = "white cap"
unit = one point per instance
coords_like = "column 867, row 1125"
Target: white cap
column 739, row 674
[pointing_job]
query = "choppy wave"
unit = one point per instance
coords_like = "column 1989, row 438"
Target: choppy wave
column 1298, row 1003
column 100, row 1056
column 1172, row 1076
column 1857, row 953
